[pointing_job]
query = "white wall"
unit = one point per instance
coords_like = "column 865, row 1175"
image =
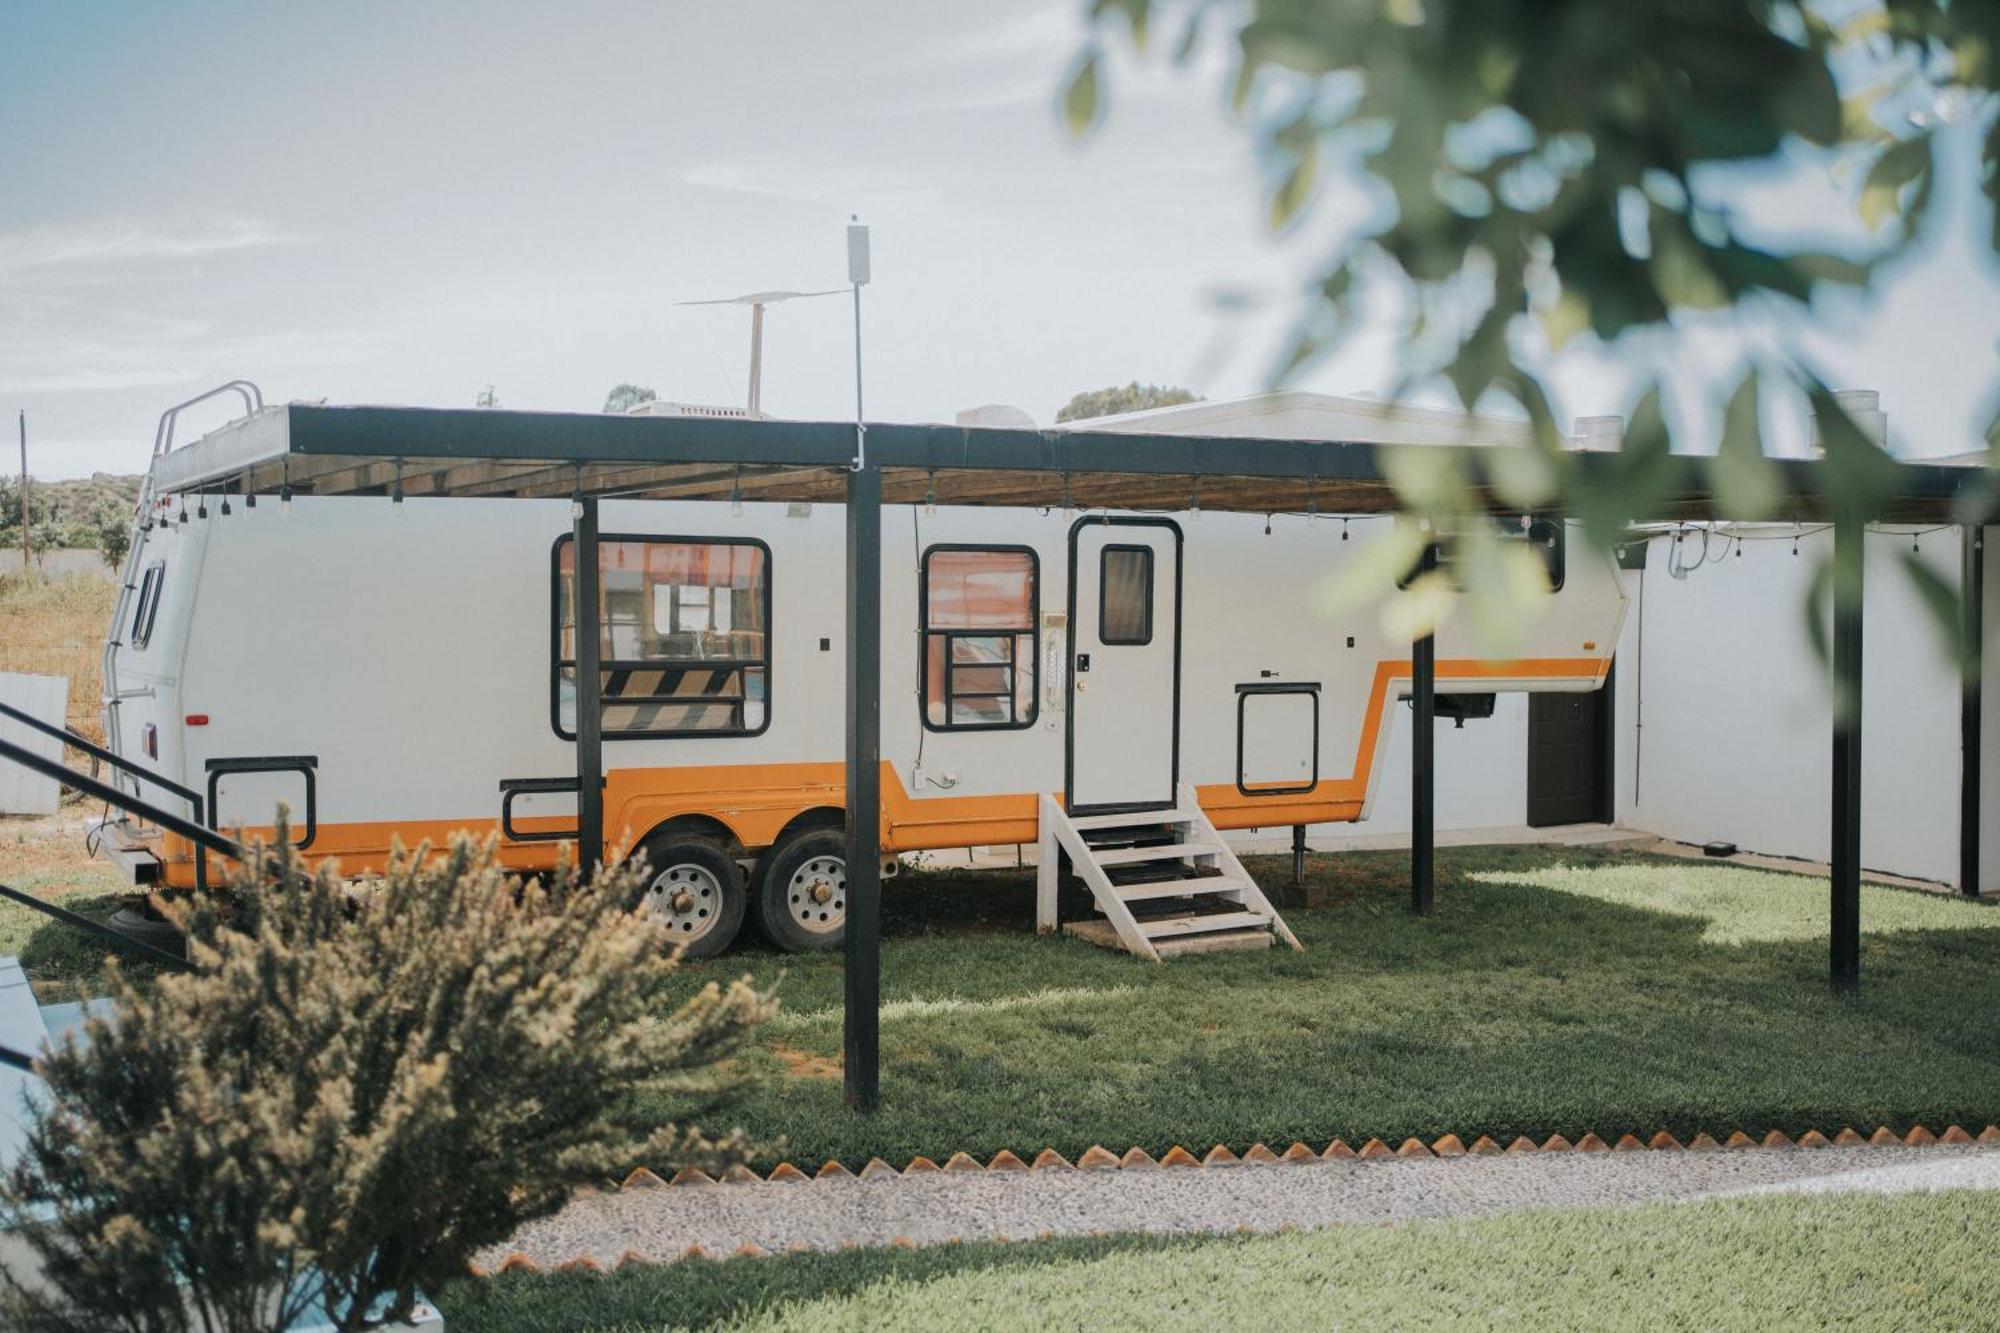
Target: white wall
column 23, row 792
column 1734, row 740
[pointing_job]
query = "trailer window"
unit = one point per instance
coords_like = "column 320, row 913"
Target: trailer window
column 1125, row 595
column 979, row 610
column 148, row 608
column 683, row 637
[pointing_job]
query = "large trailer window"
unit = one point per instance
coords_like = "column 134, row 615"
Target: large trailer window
column 979, row 611
column 683, row 637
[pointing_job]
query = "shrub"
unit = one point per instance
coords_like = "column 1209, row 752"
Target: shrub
column 356, row 1088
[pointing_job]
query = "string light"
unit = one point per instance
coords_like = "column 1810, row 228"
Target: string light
column 1267, row 525
column 396, row 489
column 1343, row 529
column 184, row 510
column 225, row 504
column 285, row 489
column 201, row 505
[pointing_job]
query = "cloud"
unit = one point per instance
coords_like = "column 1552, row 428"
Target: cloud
column 81, row 251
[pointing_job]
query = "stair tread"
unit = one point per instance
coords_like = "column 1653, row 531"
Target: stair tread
column 1169, row 926
column 1221, row 941
column 1139, row 819
column 1172, row 851
column 1178, row 888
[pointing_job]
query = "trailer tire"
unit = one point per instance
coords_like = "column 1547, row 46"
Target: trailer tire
column 802, row 891
column 696, row 890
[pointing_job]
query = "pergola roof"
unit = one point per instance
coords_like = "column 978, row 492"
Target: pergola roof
column 321, row 450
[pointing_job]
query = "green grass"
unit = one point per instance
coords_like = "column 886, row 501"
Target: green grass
column 1553, row 992
column 1909, row 1261
column 43, row 857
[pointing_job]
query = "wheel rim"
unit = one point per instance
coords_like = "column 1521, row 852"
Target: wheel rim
column 816, row 895
column 688, row 898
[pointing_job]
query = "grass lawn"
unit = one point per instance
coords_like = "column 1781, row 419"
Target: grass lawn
column 1555, row 991
column 45, row 857
column 1909, row 1261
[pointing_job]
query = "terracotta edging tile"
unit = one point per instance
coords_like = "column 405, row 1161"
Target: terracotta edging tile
column 921, row 1165
column 877, row 1169
column 1220, row 1155
column 642, row 1179
column 1738, row 1139
column 1955, row 1134
column 1298, row 1152
column 1628, row 1143
column 687, row 1175
column 1005, row 1160
column 1136, row 1159
column 1414, row 1147
column 960, row 1163
column 1179, row 1156
column 784, row 1173
column 1338, row 1151
column 1048, row 1159
column 1884, row 1137
column 740, row 1174
column 832, row 1171
column 1777, row 1138
column 1702, row 1142
column 1812, row 1138
column 1449, row 1145
column 1522, row 1143
column 1591, row 1143
column 1096, row 1158
column 1259, row 1154
column 1374, row 1149
column 1664, row 1142
column 1557, row 1143
column 1847, row 1138
column 1919, row 1137
column 1484, row 1147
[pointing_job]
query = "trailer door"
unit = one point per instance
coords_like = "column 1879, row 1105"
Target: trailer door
column 1123, row 750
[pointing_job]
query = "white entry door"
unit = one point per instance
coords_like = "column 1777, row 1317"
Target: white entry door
column 1125, row 686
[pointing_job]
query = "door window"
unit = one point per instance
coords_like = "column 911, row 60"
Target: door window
column 1125, row 595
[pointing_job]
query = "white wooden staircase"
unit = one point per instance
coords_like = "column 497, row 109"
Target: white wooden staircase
column 1164, row 880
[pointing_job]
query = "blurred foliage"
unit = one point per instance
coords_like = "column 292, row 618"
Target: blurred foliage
column 625, row 396
column 1543, row 169
column 1133, row 397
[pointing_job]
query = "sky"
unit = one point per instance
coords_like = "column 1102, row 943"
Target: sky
column 406, row 203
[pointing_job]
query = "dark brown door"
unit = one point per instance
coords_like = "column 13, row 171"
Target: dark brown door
column 1569, row 758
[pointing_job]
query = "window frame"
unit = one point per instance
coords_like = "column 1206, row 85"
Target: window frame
column 151, row 586
column 925, row 633
column 1103, row 558
column 605, row 664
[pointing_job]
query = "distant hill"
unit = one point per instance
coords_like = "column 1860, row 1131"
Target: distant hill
column 68, row 513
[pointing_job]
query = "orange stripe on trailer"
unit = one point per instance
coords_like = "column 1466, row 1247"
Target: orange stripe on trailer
column 755, row 802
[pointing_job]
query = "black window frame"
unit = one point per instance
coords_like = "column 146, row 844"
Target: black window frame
column 1146, row 630
column 606, row 665
column 151, row 585
column 925, row 634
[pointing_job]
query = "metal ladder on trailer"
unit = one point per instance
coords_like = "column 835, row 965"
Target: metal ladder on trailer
column 1164, row 880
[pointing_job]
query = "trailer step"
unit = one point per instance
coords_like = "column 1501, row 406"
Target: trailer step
column 1169, row 851
column 1151, row 856
column 1177, row 888
column 1200, row 923
column 1134, row 819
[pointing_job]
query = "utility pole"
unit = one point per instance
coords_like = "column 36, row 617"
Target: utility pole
column 23, row 418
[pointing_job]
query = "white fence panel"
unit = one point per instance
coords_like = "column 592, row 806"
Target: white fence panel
column 45, row 697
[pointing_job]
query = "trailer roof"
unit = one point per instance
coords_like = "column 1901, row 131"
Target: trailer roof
column 490, row 452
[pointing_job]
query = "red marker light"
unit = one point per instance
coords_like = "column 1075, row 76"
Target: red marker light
column 197, row 719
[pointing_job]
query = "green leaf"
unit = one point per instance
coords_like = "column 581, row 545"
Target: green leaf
column 1940, row 598
column 1297, row 186
column 1080, row 97
column 1899, row 164
column 1747, row 483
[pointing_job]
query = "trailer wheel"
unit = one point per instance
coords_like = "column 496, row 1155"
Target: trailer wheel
column 802, row 891
column 696, row 890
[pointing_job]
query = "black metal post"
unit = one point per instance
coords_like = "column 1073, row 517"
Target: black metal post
column 862, row 972
column 1972, row 595
column 1844, row 961
column 1298, row 856
column 1423, row 744
column 589, row 692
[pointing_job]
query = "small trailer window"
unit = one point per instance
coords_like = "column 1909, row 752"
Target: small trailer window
column 1125, row 595
column 148, row 608
column 979, row 611
column 683, row 637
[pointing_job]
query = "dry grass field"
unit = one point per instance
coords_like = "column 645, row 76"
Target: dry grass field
column 55, row 626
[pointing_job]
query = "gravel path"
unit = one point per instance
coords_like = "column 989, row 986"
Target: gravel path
column 660, row 1223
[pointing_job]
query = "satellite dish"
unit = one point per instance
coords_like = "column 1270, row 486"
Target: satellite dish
column 757, row 301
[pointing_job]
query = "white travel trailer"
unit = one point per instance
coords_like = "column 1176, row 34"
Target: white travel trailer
column 1115, row 685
